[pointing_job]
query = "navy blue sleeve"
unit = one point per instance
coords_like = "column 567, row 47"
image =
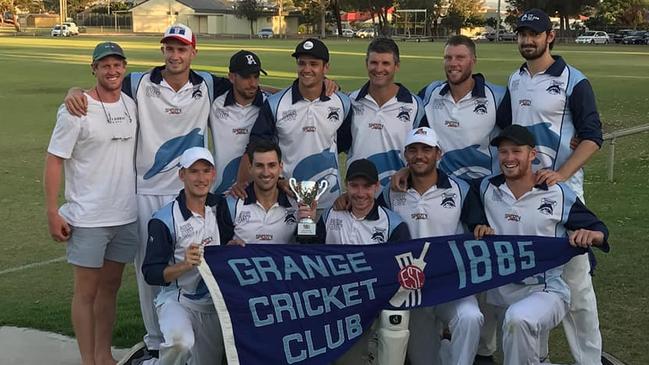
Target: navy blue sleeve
column 321, row 230
column 381, row 200
column 126, row 86
column 344, row 133
column 264, row 127
column 400, row 234
column 221, row 85
column 581, row 217
column 159, row 253
column 472, row 210
column 224, row 221
column 424, row 120
column 584, row 112
column 504, row 112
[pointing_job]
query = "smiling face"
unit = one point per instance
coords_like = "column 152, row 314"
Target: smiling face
column 532, row 45
column 178, row 56
column 265, row 169
column 515, row 160
column 458, row 63
column 198, row 178
column 245, row 86
column 381, row 68
column 421, row 158
column 361, row 194
column 311, row 71
column 110, row 72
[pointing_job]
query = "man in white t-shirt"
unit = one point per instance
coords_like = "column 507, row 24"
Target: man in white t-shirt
column 98, row 217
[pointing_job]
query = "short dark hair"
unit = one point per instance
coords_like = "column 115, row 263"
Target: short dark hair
column 383, row 45
column 462, row 40
column 263, row 145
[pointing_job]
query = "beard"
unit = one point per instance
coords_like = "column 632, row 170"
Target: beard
column 531, row 53
column 463, row 77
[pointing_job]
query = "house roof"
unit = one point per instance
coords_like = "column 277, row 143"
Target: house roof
column 202, row 6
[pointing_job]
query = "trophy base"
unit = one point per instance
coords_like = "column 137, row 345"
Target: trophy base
column 306, row 232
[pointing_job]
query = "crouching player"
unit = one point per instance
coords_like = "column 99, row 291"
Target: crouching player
column 366, row 222
column 177, row 234
column 515, row 205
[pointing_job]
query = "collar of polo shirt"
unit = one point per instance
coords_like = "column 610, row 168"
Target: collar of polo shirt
column 295, row 93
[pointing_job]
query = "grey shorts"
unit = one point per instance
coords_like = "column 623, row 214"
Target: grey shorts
column 89, row 247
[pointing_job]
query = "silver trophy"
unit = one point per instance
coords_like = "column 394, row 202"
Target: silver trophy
column 306, row 192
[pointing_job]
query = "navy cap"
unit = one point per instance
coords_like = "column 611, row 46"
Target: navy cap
column 362, row 168
column 312, row 47
column 245, row 63
column 518, row 134
column 535, row 19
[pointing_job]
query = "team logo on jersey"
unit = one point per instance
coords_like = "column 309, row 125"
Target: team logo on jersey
column 185, row 230
column 335, row 224
column 512, row 217
column 378, row 126
column 239, row 131
column 111, row 119
column 242, row 218
column 411, row 278
column 152, row 92
column 290, row 218
column 448, row 200
column 480, row 106
column 438, row 103
column 452, row 123
column 378, row 235
column 333, row 114
column 359, row 109
column 264, row 237
column 173, row 111
column 288, row 115
column 207, row 240
column 308, row 129
column 197, row 93
column 418, row 216
column 547, row 206
column 404, row 114
column 525, row 102
column 514, row 85
column 555, row 88
column 221, row 113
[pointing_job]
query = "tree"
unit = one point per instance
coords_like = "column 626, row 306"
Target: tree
column 628, row 13
column 463, row 13
column 249, row 9
column 434, row 11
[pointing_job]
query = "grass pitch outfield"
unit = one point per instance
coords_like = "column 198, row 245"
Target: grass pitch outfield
column 36, row 72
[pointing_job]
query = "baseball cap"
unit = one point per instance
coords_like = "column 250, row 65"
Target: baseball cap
column 106, row 49
column 180, row 32
column 312, row 47
column 423, row 135
column 194, row 154
column 245, row 63
column 515, row 133
column 362, row 168
column 535, row 19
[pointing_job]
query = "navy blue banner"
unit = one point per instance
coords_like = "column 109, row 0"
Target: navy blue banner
column 307, row 304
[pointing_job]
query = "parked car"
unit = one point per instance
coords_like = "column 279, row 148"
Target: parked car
column 72, row 27
column 646, row 38
column 636, row 37
column 348, row 33
column 265, row 33
column 365, row 33
column 620, row 34
column 593, row 37
column 60, row 31
column 503, row 35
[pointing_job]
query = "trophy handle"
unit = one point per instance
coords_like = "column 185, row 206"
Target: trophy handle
column 323, row 186
column 292, row 183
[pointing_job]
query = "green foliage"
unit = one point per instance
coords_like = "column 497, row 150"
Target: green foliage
column 248, row 9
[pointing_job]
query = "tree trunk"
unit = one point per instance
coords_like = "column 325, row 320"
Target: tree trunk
column 335, row 5
column 323, row 22
column 251, row 29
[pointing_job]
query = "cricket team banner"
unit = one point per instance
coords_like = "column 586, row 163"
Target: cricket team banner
column 307, row 304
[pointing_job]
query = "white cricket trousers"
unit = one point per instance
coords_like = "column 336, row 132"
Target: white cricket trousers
column 146, row 206
column 464, row 319
column 524, row 323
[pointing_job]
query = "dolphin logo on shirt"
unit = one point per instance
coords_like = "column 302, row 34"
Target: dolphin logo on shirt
column 229, row 176
column 167, row 155
column 466, row 163
column 387, row 163
column 547, row 144
column 315, row 165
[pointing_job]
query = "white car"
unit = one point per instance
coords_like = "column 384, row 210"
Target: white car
column 265, row 33
column 348, row 33
column 60, row 31
column 365, row 33
column 72, row 27
column 593, row 37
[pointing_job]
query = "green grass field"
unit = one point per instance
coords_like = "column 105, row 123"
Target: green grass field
column 36, row 72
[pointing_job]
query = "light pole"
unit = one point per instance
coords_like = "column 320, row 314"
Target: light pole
column 498, row 23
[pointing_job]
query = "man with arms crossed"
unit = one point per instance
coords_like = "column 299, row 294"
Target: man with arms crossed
column 177, row 234
column 556, row 103
column 516, row 203
column 98, row 218
column 437, row 205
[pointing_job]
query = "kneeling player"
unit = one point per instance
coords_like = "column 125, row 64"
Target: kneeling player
column 366, row 222
column 177, row 234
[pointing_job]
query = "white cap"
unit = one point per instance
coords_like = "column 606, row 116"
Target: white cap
column 180, row 32
column 194, row 154
column 423, row 135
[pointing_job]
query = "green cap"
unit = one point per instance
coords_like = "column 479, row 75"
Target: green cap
column 105, row 49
